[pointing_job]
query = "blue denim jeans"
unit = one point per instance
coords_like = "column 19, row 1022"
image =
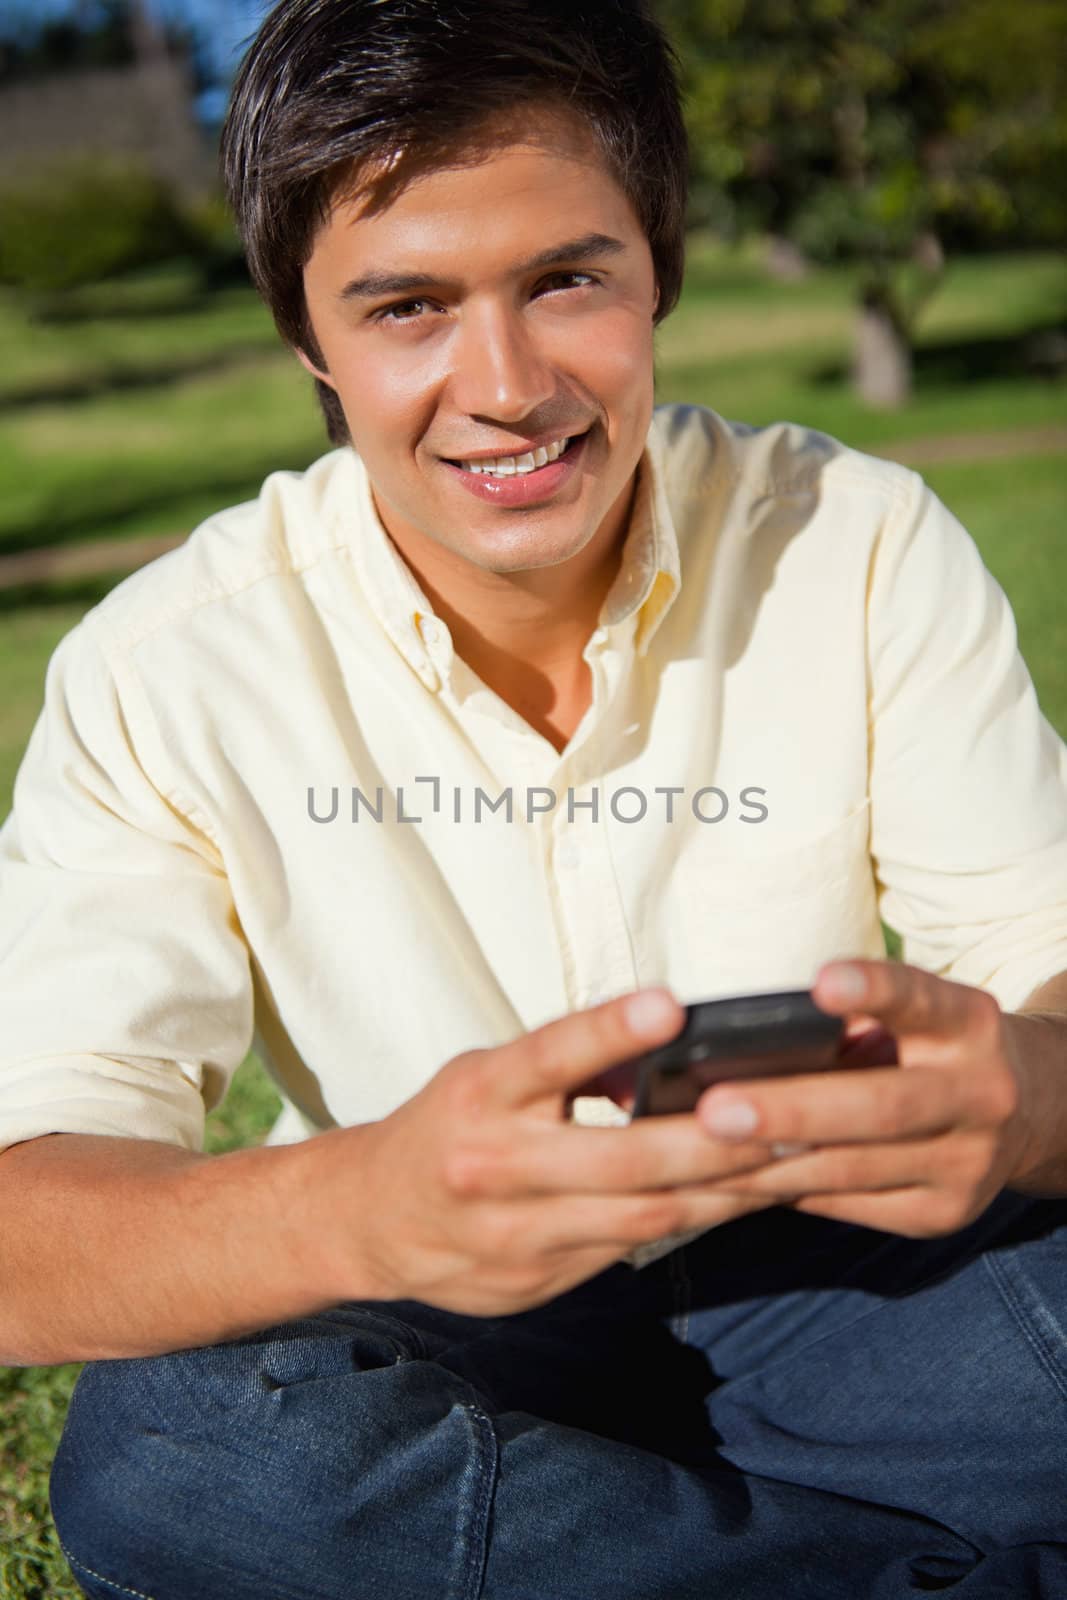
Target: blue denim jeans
column 786, row 1409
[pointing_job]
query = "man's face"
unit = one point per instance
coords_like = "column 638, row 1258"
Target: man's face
column 497, row 309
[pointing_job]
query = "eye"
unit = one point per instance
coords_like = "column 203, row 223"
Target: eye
column 569, row 280
column 402, row 311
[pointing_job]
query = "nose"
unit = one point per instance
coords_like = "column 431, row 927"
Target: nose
column 498, row 370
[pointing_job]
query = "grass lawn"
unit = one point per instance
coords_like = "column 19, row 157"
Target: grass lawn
column 158, row 408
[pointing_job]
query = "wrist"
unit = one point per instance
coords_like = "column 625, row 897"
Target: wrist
column 329, row 1217
column 1036, row 1043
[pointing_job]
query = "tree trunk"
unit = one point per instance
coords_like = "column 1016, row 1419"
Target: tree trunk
column 783, row 260
column 881, row 361
column 149, row 44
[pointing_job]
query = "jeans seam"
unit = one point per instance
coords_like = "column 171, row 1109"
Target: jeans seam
column 393, row 1327
column 73, row 1562
column 472, row 1576
column 1032, row 1333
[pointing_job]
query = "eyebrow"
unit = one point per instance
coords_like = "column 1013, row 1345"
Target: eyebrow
column 374, row 284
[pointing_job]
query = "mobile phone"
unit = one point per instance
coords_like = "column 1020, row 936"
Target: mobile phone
column 746, row 1036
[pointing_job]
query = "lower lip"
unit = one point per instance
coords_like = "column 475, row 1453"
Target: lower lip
column 526, row 488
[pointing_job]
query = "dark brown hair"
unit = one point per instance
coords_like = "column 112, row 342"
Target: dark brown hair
column 332, row 88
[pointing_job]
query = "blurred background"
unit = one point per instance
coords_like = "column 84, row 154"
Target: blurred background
column 878, row 223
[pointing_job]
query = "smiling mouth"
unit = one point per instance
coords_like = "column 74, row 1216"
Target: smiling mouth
column 520, row 466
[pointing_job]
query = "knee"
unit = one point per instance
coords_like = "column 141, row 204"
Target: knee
column 166, row 1466
column 217, row 1470
column 103, row 1491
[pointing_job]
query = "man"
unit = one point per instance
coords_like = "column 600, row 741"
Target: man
column 369, row 768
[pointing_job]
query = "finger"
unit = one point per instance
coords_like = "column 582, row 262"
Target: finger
column 850, row 1169
column 571, row 1222
column 904, row 999
column 657, row 1153
column 913, row 1212
column 564, row 1053
column 843, row 1106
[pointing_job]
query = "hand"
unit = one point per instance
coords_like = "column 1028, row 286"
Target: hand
column 920, row 1148
column 477, row 1195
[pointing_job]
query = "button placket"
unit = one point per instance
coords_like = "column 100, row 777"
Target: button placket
column 586, row 899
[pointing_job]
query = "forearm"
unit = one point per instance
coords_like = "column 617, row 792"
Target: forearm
column 124, row 1247
column 1037, row 1035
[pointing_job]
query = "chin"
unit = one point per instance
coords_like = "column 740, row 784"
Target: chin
column 525, row 553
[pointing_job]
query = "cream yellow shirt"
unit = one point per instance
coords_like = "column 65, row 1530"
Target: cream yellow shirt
column 266, row 800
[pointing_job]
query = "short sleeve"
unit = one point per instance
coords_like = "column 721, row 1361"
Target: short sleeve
column 125, row 984
column 968, row 780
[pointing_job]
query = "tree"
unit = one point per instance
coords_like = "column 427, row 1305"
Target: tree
column 87, row 34
column 149, row 44
column 878, row 131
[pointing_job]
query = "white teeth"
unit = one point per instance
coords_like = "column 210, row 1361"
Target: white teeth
column 518, row 466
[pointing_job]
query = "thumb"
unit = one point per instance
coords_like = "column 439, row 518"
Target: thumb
column 558, row 1058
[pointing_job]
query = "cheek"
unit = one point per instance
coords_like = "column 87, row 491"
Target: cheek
column 390, row 402
column 619, row 365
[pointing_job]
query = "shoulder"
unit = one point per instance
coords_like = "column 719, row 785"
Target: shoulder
column 698, row 449
column 294, row 522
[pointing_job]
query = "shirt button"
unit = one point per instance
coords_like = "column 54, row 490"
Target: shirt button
column 429, row 630
column 568, row 854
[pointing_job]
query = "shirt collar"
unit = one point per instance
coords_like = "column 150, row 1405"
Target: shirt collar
column 647, row 581
column 649, row 575
column 395, row 594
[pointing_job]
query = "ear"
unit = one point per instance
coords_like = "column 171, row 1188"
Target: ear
column 316, row 372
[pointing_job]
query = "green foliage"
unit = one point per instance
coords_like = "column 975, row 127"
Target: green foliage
column 32, row 45
column 878, row 132
column 854, row 127
column 214, row 243
column 78, row 220
column 101, row 33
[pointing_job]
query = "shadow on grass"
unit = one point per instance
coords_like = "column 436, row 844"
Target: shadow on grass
column 118, row 510
column 84, row 592
column 1038, row 351
column 115, row 380
column 121, row 301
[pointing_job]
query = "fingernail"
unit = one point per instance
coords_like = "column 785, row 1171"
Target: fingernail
column 848, row 983
column 648, row 1011
column 730, row 1119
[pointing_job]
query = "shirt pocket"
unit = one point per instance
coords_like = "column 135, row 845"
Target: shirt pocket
column 770, row 920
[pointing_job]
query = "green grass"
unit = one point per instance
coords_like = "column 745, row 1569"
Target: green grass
column 130, row 424
column 1015, row 509
column 158, row 409
column 762, row 351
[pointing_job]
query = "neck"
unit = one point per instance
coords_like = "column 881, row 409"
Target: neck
column 523, row 633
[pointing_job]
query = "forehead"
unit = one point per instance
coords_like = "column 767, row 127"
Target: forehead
column 513, row 178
